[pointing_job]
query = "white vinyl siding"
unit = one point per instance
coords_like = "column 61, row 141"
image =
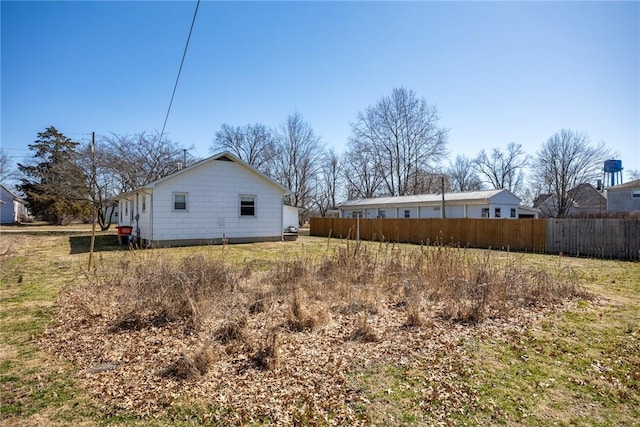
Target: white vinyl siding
column 213, row 204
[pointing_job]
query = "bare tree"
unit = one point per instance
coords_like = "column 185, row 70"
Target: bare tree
column 252, row 143
column 328, row 182
column 403, row 135
column 429, row 182
column 462, row 175
column 101, row 181
column 142, row 158
column 363, row 179
column 567, row 159
column 633, row 174
column 503, row 169
column 6, row 171
column 298, row 158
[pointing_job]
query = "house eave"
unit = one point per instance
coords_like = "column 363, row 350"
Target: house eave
column 215, row 157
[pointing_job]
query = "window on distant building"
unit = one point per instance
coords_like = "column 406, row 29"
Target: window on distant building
column 485, row 212
column 407, row 214
column 247, row 205
column 636, row 194
column 356, row 214
column 496, row 213
column 180, row 201
column 513, row 212
column 144, row 203
column 382, row 213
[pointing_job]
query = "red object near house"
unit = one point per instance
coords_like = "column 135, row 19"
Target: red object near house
column 124, row 230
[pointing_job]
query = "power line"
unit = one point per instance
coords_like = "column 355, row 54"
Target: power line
column 180, row 69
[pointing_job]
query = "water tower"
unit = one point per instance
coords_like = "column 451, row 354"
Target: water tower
column 612, row 172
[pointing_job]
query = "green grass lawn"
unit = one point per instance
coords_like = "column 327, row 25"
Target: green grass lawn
column 578, row 366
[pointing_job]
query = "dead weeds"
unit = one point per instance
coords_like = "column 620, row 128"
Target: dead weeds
column 278, row 345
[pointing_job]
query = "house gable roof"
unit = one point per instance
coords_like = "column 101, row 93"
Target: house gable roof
column 468, row 196
column 224, row 156
column 4, row 187
column 583, row 192
column 579, row 192
column 626, row 186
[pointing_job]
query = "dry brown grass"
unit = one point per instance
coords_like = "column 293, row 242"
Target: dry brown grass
column 248, row 320
column 363, row 331
column 200, row 291
column 191, row 366
column 268, row 356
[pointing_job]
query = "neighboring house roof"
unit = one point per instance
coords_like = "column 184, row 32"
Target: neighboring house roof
column 584, row 198
column 530, row 210
column 12, row 194
column 216, row 157
column 626, row 186
column 578, row 193
column 483, row 196
column 583, row 192
column 540, row 199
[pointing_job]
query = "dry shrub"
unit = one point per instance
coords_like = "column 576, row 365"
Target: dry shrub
column 467, row 301
column 160, row 288
column 189, row 367
column 286, row 274
column 204, row 358
column 260, row 300
column 363, row 331
column 414, row 317
column 300, row 318
column 358, row 306
column 268, row 356
column 234, row 329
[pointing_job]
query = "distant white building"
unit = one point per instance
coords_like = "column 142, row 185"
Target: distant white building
column 13, row 209
column 624, row 197
column 221, row 197
column 471, row 204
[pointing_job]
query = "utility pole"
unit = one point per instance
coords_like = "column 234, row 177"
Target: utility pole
column 92, row 188
column 442, row 215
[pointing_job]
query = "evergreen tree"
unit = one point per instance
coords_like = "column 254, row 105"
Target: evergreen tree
column 53, row 183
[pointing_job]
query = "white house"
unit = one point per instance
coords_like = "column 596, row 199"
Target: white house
column 471, row 204
column 12, row 208
column 221, row 197
column 624, row 197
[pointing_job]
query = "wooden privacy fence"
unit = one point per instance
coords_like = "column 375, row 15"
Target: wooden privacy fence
column 598, row 238
column 517, row 234
column 604, row 238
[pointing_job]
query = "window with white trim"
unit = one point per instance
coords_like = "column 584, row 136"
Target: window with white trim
column 636, row 194
column 485, row 212
column 513, row 212
column 496, row 212
column 247, row 205
column 407, row 214
column 179, row 201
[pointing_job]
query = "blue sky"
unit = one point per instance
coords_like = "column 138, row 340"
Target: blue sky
column 498, row 72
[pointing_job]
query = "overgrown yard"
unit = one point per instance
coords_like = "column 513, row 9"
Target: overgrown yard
column 314, row 332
